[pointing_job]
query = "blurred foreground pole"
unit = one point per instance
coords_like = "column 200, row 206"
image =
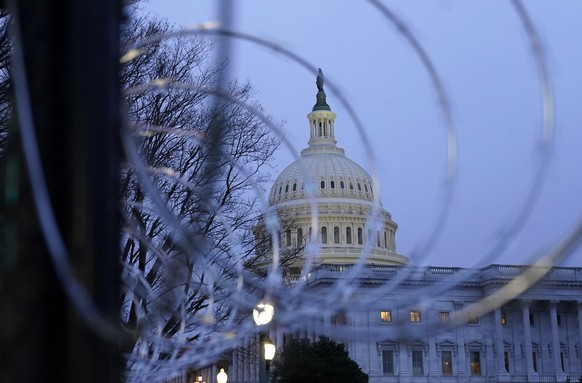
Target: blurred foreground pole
column 71, row 62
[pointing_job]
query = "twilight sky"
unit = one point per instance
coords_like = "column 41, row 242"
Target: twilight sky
column 481, row 52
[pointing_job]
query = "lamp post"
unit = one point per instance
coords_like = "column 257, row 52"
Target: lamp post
column 262, row 315
column 221, row 377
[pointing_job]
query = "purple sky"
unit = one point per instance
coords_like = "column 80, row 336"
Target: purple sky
column 482, row 54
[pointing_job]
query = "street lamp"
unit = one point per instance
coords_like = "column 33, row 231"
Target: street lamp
column 262, row 315
column 221, row 377
column 200, row 378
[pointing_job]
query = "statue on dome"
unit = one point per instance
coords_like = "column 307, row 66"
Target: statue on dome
column 319, row 81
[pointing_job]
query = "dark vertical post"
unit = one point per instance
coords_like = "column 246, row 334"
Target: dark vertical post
column 71, row 63
column 262, row 362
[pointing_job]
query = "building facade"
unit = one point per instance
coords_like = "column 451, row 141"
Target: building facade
column 429, row 324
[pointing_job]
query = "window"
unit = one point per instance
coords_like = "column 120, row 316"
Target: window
column 336, row 235
column 322, row 184
column 475, row 363
column 348, row 235
column 324, row 234
column 473, row 320
column 531, row 319
column 378, row 239
column 342, row 185
column 294, row 187
column 506, row 360
column 503, row 319
column 287, row 188
column 417, row 363
column 562, row 360
column 447, row 362
column 351, row 186
column 385, row 241
column 280, row 189
column 366, row 187
column 360, row 239
column 288, row 235
column 415, row 316
column 444, row 316
column 386, row 316
column 388, row 362
column 332, row 184
column 535, row 361
column 359, row 187
column 299, row 237
column 559, row 319
column 339, row 319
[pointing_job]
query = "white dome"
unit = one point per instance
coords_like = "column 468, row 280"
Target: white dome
column 326, row 174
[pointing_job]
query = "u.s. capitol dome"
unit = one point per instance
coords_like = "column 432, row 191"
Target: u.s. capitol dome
column 325, row 189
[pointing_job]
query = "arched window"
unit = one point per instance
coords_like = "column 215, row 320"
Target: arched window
column 351, row 186
column 324, row 234
column 348, row 235
column 295, row 187
column 280, row 189
column 323, row 184
column 366, row 187
column 336, row 235
column 342, row 184
column 287, row 188
column 378, row 239
column 288, row 235
column 299, row 237
column 385, row 240
column 359, row 187
column 360, row 236
column 332, row 184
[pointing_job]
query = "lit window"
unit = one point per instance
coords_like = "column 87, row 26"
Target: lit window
column 415, row 316
column 475, row 363
column 444, row 316
column 386, row 316
column 388, row 362
column 447, row 362
column 503, row 319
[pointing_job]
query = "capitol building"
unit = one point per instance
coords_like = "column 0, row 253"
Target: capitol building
column 427, row 324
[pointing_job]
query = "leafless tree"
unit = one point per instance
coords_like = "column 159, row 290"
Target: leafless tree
column 172, row 283
column 5, row 49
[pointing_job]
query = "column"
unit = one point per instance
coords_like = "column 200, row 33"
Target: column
column 580, row 327
column 532, row 376
column 500, row 357
column 233, row 372
column 555, row 335
column 461, row 357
